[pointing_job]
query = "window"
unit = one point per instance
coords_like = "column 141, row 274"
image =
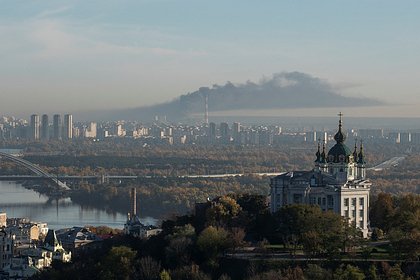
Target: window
column 346, row 213
column 351, row 171
column 361, row 213
column 361, row 201
column 353, row 201
column 330, row 200
column 312, row 200
column 297, row 198
column 319, row 201
column 346, row 202
column 361, row 224
column 323, row 201
column 354, row 213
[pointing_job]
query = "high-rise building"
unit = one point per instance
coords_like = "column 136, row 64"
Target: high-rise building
column 212, row 131
column 90, row 131
column 405, row 137
column 68, row 126
column 57, row 127
column 371, row 133
column 45, row 128
column 311, row 136
column 35, row 127
column 236, row 130
column 224, row 132
column 394, row 137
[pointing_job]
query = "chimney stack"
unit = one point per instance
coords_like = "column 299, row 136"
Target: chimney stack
column 133, row 195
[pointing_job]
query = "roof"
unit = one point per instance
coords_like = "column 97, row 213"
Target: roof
column 51, row 239
column 75, row 234
column 306, row 176
column 339, row 149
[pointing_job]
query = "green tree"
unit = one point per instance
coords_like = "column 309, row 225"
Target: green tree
column 164, row 275
column 148, row 268
column 178, row 252
column 222, row 211
column 118, row 263
column 212, row 242
column 307, row 225
column 316, row 272
column 381, row 211
column 395, row 273
column 372, row 273
column 348, row 273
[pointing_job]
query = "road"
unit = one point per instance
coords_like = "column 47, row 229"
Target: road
column 388, row 164
column 230, row 175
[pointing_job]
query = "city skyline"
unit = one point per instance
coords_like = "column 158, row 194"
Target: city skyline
column 104, row 55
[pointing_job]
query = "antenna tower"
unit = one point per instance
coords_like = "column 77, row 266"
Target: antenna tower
column 206, row 108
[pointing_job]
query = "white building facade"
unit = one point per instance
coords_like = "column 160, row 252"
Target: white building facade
column 337, row 183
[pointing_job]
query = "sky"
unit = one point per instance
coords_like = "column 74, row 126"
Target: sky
column 68, row 56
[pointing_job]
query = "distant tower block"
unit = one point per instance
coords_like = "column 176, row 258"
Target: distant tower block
column 57, row 127
column 206, row 110
column 45, row 128
column 133, row 195
column 68, row 126
column 35, row 127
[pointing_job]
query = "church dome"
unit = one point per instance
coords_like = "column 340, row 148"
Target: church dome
column 339, row 152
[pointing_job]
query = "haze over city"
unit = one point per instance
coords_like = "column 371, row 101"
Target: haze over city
column 97, row 55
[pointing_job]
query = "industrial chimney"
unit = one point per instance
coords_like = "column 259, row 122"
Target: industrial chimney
column 133, row 196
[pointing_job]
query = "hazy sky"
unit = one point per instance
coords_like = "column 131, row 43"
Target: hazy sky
column 77, row 55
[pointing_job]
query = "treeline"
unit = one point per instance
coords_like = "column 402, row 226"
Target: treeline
column 398, row 218
column 206, row 245
column 128, row 156
column 161, row 197
column 403, row 178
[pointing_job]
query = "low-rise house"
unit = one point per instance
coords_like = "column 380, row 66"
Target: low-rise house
column 3, row 219
column 43, row 228
column 135, row 228
column 78, row 239
column 52, row 245
column 24, row 233
column 21, row 268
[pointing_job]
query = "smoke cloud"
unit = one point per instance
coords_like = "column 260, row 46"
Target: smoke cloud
column 283, row 90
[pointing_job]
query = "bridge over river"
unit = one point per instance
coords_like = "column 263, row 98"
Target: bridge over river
column 59, row 180
column 35, row 169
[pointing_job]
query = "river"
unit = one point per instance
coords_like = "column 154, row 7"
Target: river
column 19, row 202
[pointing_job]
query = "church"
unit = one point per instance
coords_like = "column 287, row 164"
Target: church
column 337, row 183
